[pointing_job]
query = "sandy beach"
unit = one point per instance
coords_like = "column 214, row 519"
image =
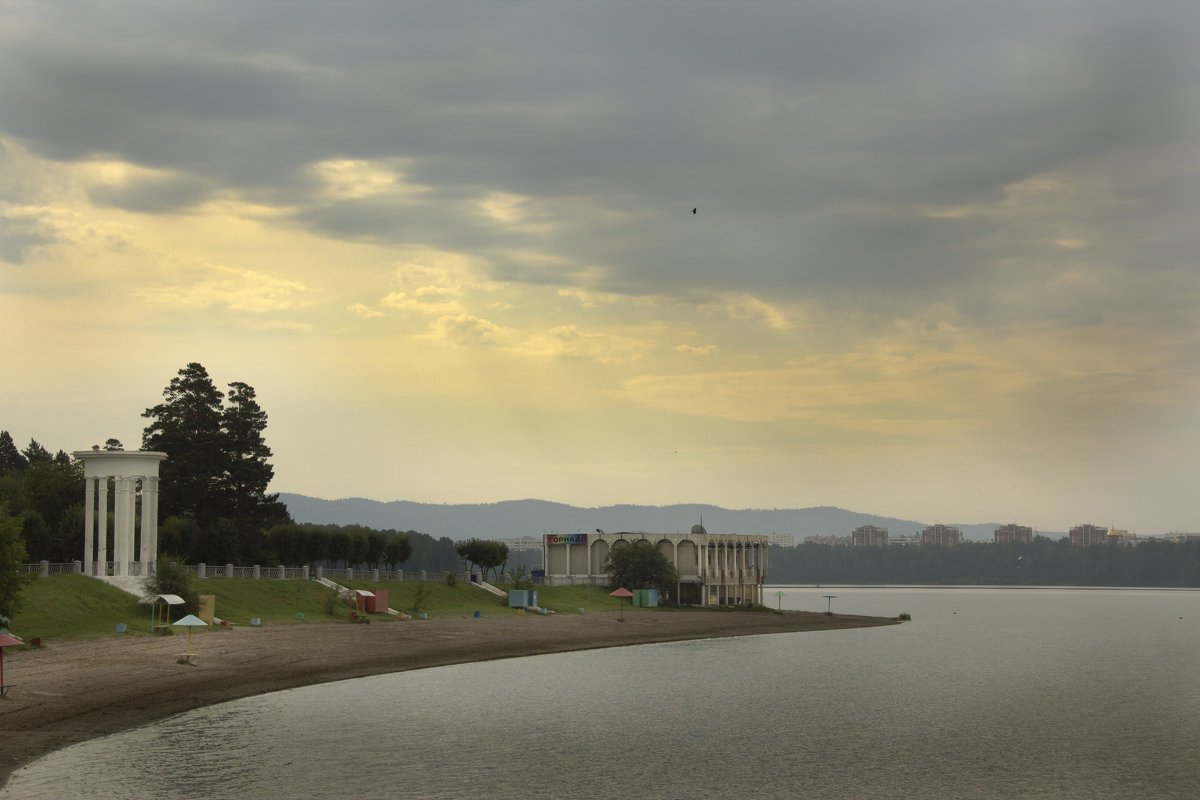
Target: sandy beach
column 70, row 692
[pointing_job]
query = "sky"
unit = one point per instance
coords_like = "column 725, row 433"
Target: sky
column 942, row 265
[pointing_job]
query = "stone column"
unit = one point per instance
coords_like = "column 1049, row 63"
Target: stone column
column 740, row 555
column 149, row 552
column 123, row 525
column 89, row 526
column 763, row 567
column 102, row 527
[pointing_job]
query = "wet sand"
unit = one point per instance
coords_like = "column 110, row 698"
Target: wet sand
column 70, row 692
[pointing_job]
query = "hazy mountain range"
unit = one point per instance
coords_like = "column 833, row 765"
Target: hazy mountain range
column 515, row 518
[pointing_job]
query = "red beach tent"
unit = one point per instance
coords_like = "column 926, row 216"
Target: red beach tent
column 6, row 640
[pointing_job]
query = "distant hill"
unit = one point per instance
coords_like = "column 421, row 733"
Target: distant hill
column 515, row 518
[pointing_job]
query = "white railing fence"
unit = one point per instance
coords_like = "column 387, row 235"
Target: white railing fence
column 255, row 572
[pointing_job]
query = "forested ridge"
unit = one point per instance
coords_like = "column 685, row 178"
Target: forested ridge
column 1045, row 562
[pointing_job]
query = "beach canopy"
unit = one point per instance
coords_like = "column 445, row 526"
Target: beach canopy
column 6, row 640
column 160, row 605
column 189, row 622
column 169, row 599
column 154, row 600
column 621, row 593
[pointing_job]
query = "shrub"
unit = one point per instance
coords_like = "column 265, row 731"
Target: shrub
column 171, row 577
column 421, row 597
column 520, row 580
column 328, row 602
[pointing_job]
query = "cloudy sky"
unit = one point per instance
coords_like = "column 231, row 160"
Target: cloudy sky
column 943, row 264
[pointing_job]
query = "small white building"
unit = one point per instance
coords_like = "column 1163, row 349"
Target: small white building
column 714, row 569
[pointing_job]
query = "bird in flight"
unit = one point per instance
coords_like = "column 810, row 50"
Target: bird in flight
column 693, row 211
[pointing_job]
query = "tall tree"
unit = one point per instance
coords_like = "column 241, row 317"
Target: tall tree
column 376, row 542
column 12, row 555
column 36, row 454
column 641, row 565
column 248, row 472
column 483, row 553
column 397, row 550
column 46, row 493
column 216, row 467
column 10, row 457
column 187, row 427
column 316, row 544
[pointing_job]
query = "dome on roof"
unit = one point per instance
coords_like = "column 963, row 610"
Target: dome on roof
column 698, row 529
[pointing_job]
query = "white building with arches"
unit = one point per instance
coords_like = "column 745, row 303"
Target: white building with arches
column 714, row 569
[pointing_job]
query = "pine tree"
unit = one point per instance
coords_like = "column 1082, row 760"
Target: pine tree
column 12, row 555
column 10, row 457
column 36, row 454
column 216, row 471
column 187, row 426
column 248, row 472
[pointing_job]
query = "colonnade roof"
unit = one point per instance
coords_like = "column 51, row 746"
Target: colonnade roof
column 704, row 538
column 119, row 463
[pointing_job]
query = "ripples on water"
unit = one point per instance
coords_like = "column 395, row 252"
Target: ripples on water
column 987, row 693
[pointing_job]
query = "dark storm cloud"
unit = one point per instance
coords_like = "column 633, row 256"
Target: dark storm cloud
column 806, row 134
column 152, row 195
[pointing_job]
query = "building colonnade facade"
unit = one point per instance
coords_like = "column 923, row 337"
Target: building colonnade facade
column 714, row 569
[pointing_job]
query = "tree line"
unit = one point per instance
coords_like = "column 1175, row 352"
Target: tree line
column 213, row 501
column 1045, row 562
column 42, row 497
column 44, row 494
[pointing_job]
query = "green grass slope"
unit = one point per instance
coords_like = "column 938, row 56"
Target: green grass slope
column 76, row 607
column 72, row 607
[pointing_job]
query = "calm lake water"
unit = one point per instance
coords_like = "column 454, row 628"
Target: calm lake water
column 987, row 693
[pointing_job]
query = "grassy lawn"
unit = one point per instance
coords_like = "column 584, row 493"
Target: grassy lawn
column 273, row 602
column 66, row 607
column 463, row 599
column 76, row 607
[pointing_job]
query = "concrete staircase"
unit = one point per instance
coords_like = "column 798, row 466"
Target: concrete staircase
column 487, row 587
column 126, row 583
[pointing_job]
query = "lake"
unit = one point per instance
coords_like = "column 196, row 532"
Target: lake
column 986, row 693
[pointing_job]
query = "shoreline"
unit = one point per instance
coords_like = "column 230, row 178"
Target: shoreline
column 68, row 693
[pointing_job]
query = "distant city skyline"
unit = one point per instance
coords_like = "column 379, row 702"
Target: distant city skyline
column 942, row 265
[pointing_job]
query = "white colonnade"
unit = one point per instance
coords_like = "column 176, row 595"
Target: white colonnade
column 129, row 472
